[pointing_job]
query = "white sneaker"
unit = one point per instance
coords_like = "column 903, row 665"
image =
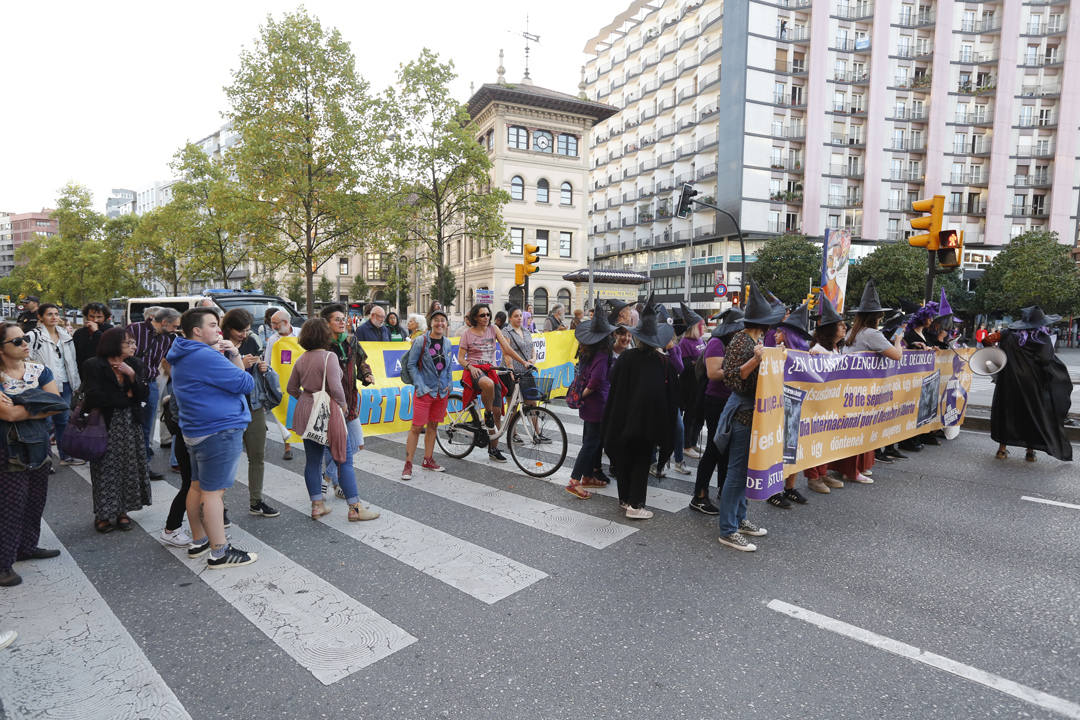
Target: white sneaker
column 7, row 637
column 691, row 453
column 860, row 479
column 638, row 513
column 681, row 468
column 176, row 538
column 656, row 471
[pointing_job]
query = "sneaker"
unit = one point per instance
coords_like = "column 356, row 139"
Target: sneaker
column 818, row 485
column 748, row 528
column 176, row 538
column 624, row 506
column 894, row 452
column 867, row 473
column 737, row 542
column 72, row 461
column 406, row 473
column 233, row 557
column 680, row 467
column 430, row 464
column 656, row 471
column 863, row 479
column 544, row 439
column 516, row 439
column 778, row 500
column 691, row 453
column 358, row 513
column 154, row 475
column 930, row 440
column 7, row 637
column 228, row 522
column 263, row 509
column 197, row 551
column 702, row 505
column 795, row 496
column 832, row 482
column 495, row 455
column 638, row 513
column 882, row 456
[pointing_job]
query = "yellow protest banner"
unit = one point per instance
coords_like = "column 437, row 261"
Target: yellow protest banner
column 813, row 409
column 386, row 405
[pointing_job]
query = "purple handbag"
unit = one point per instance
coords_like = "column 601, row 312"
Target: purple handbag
column 86, row 436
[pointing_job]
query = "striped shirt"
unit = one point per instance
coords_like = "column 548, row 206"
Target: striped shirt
column 152, row 346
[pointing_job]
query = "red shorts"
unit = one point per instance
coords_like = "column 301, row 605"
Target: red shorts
column 428, row 409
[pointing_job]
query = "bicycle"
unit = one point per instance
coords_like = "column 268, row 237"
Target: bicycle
column 543, row 434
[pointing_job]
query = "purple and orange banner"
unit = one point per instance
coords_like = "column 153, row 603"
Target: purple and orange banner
column 834, row 265
column 814, row 409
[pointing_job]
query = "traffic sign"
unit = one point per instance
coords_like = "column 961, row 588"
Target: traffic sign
column 720, row 290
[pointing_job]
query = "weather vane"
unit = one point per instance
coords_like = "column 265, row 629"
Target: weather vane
column 529, row 37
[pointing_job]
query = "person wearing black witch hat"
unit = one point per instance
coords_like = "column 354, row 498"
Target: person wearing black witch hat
column 691, row 348
column 828, row 338
column 714, row 397
column 594, row 363
column 1032, row 392
column 640, row 410
column 793, row 333
column 741, row 361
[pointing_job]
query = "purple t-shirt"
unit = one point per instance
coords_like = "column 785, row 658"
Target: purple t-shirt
column 716, row 388
column 592, row 405
column 691, row 349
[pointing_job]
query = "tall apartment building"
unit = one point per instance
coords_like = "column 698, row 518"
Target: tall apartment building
column 7, row 245
column 26, row 226
column 120, row 202
column 839, row 114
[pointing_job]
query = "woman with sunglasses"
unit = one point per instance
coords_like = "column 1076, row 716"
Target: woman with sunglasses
column 476, row 354
column 52, row 346
column 115, row 383
column 22, row 492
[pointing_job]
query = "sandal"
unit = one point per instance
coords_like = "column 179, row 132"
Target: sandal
column 1029, row 455
column 318, row 509
column 103, row 526
column 576, row 490
column 593, row 482
column 358, row 513
column 123, row 522
column 1001, row 454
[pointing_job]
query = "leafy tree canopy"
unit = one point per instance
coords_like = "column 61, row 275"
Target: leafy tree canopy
column 1034, row 269
column 787, row 266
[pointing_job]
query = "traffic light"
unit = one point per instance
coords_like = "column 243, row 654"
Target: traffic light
column 930, row 223
column 528, row 267
column 811, row 300
column 688, row 192
column 519, row 274
column 950, row 248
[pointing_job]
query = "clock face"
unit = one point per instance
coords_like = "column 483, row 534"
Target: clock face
column 542, row 141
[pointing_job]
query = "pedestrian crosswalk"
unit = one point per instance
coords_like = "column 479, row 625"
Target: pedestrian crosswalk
column 78, row 643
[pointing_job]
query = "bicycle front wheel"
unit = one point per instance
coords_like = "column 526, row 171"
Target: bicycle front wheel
column 540, row 445
column 458, row 436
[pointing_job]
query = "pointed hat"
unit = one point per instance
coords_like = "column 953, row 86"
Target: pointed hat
column 828, row 315
column 871, row 302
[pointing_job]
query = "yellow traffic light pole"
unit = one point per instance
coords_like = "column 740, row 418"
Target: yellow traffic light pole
column 932, row 225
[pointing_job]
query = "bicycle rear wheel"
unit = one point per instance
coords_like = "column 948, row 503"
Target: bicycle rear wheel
column 542, row 449
column 457, row 437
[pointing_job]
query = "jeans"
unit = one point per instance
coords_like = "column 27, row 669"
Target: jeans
column 255, row 447
column 712, row 459
column 60, row 420
column 149, row 415
column 313, row 460
column 356, row 440
column 214, row 460
column 733, row 495
column 591, row 455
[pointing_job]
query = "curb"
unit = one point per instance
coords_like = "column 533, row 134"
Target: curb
column 980, row 422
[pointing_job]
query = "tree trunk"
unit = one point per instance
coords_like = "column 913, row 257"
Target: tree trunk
column 310, row 278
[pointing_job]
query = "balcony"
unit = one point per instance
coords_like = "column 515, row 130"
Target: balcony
column 1041, row 90
column 917, row 114
column 857, row 109
column 919, row 50
column 860, row 45
column 914, row 20
column 977, row 119
column 989, row 24
column 797, row 67
column 1048, row 120
column 854, row 11
column 914, row 176
column 794, row 197
column 790, row 132
column 794, row 34
column 856, row 78
column 907, row 145
column 789, row 165
column 1038, row 29
column 844, row 201
column 709, row 80
column 783, row 227
column 705, row 172
column 971, row 148
column 1024, row 211
column 976, row 208
column 915, row 82
column 977, row 58
column 1033, row 181
column 969, row 88
column 970, row 179
column 854, row 140
column 1039, row 150
column 848, row 171
column 784, row 100
column 1042, row 60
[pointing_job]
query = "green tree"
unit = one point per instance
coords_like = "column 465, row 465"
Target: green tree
column 295, row 292
column 307, row 166
column 787, row 266
column 161, row 249
column 1034, row 269
column 359, row 290
column 397, row 286
column 442, row 188
column 898, row 269
column 325, row 291
column 270, row 286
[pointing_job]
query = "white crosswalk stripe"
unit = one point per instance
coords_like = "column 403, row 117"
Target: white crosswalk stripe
column 74, row 658
column 484, row 574
column 320, row 627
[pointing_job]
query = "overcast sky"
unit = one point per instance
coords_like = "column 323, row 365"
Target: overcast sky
column 103, row 93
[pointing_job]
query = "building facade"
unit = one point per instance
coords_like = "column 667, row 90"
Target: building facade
column 26, row 226
column 7, row 245
column 840, row 114
column 120, row 202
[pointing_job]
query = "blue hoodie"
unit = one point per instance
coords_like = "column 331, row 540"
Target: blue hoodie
column 210, row 391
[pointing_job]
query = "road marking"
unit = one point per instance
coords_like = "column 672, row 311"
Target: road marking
column 562, row 522
column 74, row 658
column 484, row 574
column 659, row 498
column 990, row 680
column 320, row 627
column 1044, row 501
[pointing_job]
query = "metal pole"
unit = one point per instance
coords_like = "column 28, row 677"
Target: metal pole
column 689, row 257
column 931, row 264
column 592, row 259
column 742, row 245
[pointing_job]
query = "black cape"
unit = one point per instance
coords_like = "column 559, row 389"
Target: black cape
column 642, row 402
column 1031, row 398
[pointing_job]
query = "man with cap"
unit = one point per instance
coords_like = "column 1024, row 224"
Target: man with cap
column 640, row 411
column 594, row 363
column 1032, row 392
column 28, row 319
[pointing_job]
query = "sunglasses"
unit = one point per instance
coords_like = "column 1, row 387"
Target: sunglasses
column 17, row 341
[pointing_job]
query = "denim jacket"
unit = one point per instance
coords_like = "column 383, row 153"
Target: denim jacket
column 427, row 380
column 256, row 396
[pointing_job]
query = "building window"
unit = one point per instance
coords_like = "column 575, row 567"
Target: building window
column 567, row 145
column 542, row 242
column 517, row 137
column 489, row 140
column 343, row 266
column 517, row 188
column 517, row 236
column 564, row 299
column 541, row 190
column 566, row 193
column 540, row 302
column 542, row 141
column 566, row 243
column 376, row 266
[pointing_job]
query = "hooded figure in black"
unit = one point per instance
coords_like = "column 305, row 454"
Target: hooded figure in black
column 1031, row 393
column 640, row 411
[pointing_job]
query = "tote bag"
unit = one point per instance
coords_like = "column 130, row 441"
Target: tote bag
column 86, row 436
column 318, row 424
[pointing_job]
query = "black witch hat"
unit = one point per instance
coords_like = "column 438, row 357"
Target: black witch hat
column 798, row 320
column 615, row 307
column 731, row 322
column 649, row 330
column 1033, row 318
column 594, row 331
column 759, row 311
column 828, row 315
column 871, row 301
column 690, row 317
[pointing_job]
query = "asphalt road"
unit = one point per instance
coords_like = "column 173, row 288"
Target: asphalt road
column 491, row 595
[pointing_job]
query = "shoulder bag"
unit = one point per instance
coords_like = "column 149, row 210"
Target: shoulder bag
column 86, row 436
column 322, row 405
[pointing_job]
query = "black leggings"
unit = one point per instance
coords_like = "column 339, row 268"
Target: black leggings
column 712, row 459
column 183, row 459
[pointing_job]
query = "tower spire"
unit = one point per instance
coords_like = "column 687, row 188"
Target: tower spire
column 529, row 37
column 501, row 70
